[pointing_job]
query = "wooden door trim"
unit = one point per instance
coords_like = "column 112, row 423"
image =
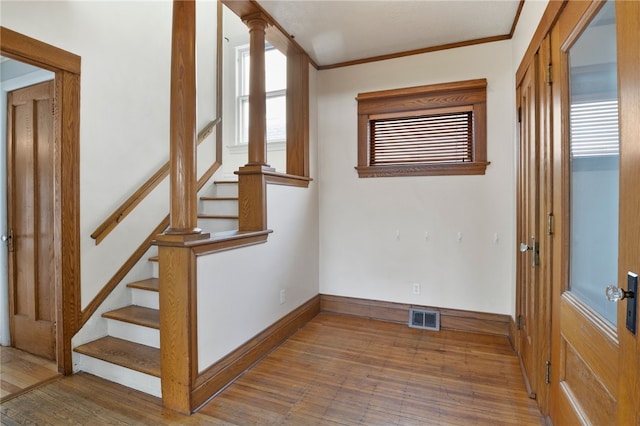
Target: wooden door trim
column 66, row 67
column 627, row 17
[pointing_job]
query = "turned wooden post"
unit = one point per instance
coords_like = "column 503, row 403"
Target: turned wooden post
column 178, row 269
column 252, row 189
column 257, row 95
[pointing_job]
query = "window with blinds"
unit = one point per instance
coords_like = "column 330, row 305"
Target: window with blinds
column 428, row 138
column 420, row 131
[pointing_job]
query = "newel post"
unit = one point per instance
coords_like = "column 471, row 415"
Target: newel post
column 252, row 189
column 178, row 345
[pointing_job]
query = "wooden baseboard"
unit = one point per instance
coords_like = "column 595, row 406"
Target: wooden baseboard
column 513, row 334
column 224, row 372
column 450, row 319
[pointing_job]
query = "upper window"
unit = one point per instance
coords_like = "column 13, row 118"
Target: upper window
column 276, row 91
column 421, row 131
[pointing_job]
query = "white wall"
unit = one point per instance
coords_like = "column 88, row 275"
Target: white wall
column 239, row 290
column 528, row 21
column 124, row 131
column 360, row 254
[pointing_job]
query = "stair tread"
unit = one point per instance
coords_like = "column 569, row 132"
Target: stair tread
column 205, row 198
column 216, row 216
column 150, row 284
column 154, row 259
column 134, row 314
column 225, row 182
column 135, row 356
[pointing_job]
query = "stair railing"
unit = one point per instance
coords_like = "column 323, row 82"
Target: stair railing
column 145, row 189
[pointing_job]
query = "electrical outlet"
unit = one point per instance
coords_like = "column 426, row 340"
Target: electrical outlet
column 416, row 288
column 283, row 296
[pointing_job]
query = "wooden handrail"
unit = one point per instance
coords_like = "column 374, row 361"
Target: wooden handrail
column 127, row 207
column 137, row 255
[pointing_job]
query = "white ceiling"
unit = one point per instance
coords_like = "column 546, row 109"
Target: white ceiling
column 336, row 31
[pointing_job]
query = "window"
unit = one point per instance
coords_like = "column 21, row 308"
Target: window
column 276, row 88
column 421, row 131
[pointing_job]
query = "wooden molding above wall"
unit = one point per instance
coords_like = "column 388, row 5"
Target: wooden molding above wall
column 450, row 319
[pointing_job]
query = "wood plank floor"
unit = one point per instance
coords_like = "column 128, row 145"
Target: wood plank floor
column 20, row 370
column 337, row 370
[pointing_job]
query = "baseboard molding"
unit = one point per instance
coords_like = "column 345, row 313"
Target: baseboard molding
column 513, row 334
column 224, row 372
column 450, row 319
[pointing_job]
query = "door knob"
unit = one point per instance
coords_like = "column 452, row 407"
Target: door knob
column 524, row 247
column 615, row 293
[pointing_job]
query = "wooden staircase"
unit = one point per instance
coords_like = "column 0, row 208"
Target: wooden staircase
column 130, row 352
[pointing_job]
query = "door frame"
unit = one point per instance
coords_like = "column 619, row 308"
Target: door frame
column 66, row 67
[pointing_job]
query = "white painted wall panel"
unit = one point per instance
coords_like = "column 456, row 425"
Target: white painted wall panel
column 360, row 253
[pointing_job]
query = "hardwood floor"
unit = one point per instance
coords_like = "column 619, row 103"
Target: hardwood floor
column 337, row 370
column 20, row 370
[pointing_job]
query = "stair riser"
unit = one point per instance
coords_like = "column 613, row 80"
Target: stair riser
column 115, row 373
column 134, row 333
column 226, row 190
column 148, row 299
column 217, row 225
column 155, row 270
column 219, row 207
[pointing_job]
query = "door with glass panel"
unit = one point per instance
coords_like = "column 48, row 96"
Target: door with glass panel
column 596, row 189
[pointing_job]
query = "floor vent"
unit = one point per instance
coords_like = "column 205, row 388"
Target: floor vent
column 428, row 320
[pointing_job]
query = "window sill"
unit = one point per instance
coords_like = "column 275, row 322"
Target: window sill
column 475, row 168
column 244, row 148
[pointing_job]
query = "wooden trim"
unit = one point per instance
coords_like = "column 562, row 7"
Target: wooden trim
column 145, row 189
column 228, row 241
column 178, row 323
column 252, row 198
column 416, row 52
column 548, row 20
column 297, row 115
column 450, row 319
column 426, row 90
column 275, row 178
column 66, row 256
column 275, row 34
column 224, row 372
column 219, row 83
column 516, row 19
column 428, row 99
column 513, row 334
column 183, row 219
column 42, row 55
column 448, row 169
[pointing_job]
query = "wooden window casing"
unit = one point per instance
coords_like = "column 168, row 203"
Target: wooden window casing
column 428, row 130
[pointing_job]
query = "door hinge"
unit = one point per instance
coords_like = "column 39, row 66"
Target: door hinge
column 547, row 372
column 519, row 114
column 548, row 78
column 550, row 224
column 519, row 322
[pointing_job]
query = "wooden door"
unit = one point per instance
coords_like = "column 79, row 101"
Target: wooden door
column 527, row 261
column 30, row 218
column 596, row 181
column 628, row 40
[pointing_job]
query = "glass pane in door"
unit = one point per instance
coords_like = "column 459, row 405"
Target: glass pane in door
column 594, row 153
